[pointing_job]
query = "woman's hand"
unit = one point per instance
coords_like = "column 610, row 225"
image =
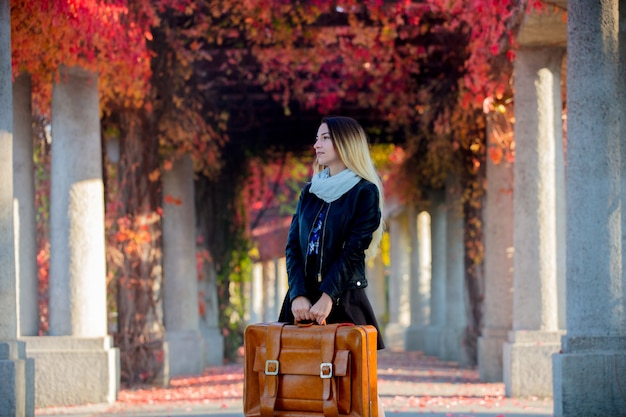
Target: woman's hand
column 300, row 307
column 320, row 311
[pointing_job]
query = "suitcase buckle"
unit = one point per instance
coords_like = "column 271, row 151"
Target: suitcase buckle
column 326, row 370
column 271, row 367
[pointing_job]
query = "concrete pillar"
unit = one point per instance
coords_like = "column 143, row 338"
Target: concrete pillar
column 399, row 281
column 377, row 286
column 24, row 197
column 452, row 346
column 256, row 294
column 432, row 345
column 16, row 370
column 209, row 321
column 420, row 281
column 78, row 317
column 498, row 261
column 270, row 310
column 279, row 287
column 589, row 374
column 77, row 264
column 561, row 213
column 538, row 136
column 180, row 278
column 281, row 282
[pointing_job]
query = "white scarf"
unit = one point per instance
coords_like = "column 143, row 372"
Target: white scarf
column 330, row 187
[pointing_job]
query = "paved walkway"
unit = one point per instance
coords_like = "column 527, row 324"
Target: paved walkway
column 410, row 384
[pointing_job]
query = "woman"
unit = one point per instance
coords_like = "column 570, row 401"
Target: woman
column 337, row 223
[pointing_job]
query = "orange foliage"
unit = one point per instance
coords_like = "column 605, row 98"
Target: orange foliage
column 132, row 236
column 370, row 59
column 170, row 199
column 107, row 37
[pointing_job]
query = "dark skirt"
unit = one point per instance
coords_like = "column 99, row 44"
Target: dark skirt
column 354, row 307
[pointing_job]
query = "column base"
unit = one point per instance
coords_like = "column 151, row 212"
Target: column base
column 186, row 352
column 213, row 345
column 591, row 382
column 527, row 363
column 17, row 373
column 395, row 336
column 452, row 346
column 432, row 342
column 162, row 379
column 74, row 370
column 415, row 338
column 490, row 354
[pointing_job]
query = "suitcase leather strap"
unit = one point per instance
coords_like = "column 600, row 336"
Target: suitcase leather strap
column 329, row 392
column 270, row 390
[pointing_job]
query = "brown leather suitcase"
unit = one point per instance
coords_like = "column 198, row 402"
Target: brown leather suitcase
column 310, row 371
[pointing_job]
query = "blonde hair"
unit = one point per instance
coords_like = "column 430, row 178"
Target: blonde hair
column 351, row 144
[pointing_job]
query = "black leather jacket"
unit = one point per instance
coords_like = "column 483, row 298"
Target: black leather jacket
column 347, row 232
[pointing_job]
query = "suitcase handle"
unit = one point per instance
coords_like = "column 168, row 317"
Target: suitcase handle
column 308, row 323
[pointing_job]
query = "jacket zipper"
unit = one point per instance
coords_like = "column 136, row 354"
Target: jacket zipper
column 319, row 273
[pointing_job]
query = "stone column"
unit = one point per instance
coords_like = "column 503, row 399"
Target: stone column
column 561, row 214
column 498, row 238
column 270, row 312
column 432, row 345
column 24, row 197
column 538, row 136
column 399, row 281
column 78, row 316
column 77, row 263
column 281, row 282
column 256, row 294
column 377, row 286
column 455, row 313
column 16, row 370
column 420, row 281
column 180, row 278
column 209, row 321
column 590, row 372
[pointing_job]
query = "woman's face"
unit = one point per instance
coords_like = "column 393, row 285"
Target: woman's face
column 325, row 151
